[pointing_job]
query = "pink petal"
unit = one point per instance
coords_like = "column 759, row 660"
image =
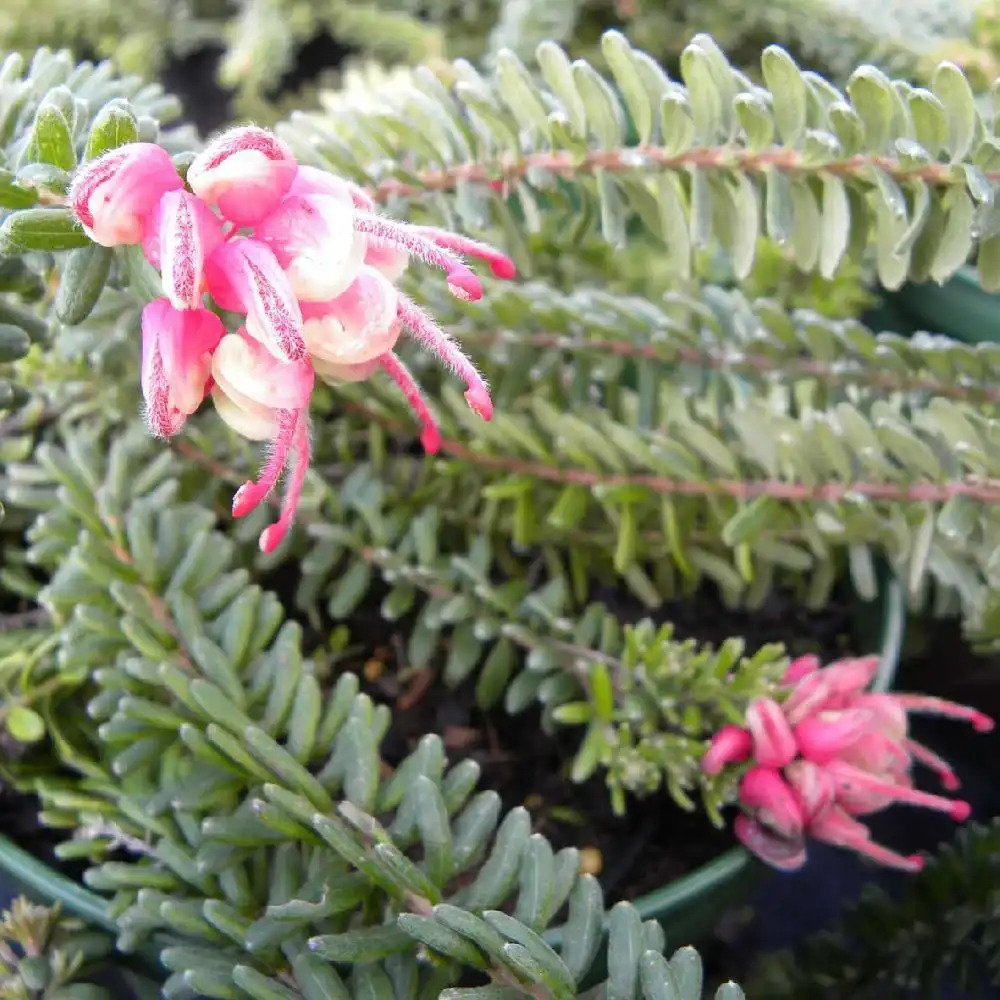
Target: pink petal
column 730, row 745
column 826, row 735
column 177, row 352
column 114, row 195
column 799, row 667
column 244, row 276
column 183, row 232
column 252, row 377
column 246, row 171
column 812, row 786
column 778, row 852
column 768, row 796
column 314, row 240
column 354, row 327
column 772, row 738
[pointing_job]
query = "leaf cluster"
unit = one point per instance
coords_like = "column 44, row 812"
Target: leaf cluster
column 232, row 799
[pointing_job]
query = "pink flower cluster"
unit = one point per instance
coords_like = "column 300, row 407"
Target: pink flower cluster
column 305, row 258
column 830, row 752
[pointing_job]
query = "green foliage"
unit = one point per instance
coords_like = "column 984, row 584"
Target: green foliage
column 654, row 430
column 943, row 927
column 44, row 955
column 826, row 174
column 269, row 845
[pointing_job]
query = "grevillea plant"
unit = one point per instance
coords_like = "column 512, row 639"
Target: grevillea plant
column 226, row 786
column 304, row 258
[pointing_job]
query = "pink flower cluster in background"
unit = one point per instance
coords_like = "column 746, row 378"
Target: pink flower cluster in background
column 303, row 256
column 828, row 753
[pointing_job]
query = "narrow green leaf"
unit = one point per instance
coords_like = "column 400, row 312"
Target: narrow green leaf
column 41, row 229
column 788, row 92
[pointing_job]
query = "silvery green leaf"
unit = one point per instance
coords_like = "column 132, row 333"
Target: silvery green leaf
column 930, row 120
column 788, row 90
column 807, row 234
column 621, row 59
column 871, row 94
column 676, row 124
column 558, row 73
column 956, row 240
column 848, row 126
column 703, row 95
column 779, row 208
column 836, row 225
column 755, row 118
column 603, row 110
column 953, row 91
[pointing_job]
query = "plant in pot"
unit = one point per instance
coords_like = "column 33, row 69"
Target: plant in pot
column 246, row 807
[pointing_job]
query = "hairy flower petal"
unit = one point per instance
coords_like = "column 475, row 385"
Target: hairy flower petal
column 177, row 349
column 245, row 171
column 113, row 197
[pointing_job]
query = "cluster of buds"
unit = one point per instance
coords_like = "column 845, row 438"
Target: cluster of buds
column 830, row 752
column 307, row 262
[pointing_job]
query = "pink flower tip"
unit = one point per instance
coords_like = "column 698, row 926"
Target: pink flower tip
column 916, row 863
column 982, row 723
column 730, row 745
column 949, row 782
column 960, row 811
column 479, row 401
column 431, row 440
column 272, row 536
column 503, row 267
column 464, row 285
column 246, row 499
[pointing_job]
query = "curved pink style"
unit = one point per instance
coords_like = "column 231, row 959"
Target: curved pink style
column 177, row 349
column 113, row 196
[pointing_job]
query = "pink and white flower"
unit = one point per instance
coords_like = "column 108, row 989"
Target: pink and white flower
column 245, row 172
column 306, row 261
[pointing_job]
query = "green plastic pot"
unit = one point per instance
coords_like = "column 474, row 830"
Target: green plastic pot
column 688, row 908
column 959, row 308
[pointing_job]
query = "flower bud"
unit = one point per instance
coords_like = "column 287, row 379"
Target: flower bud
column 246, row 172
column 357, row 326
column 114, row 196
column 177, row 349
